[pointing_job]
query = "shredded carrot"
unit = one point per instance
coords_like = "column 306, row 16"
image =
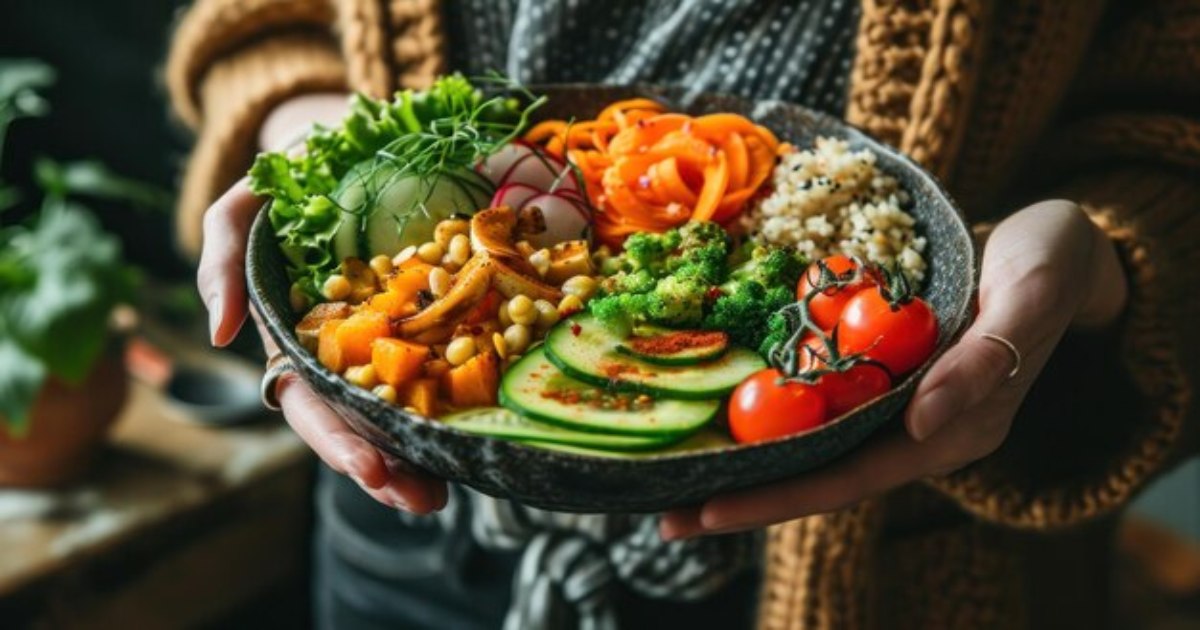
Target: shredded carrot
column 647, row 169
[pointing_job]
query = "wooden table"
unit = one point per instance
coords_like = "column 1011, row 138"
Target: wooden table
column 178, row 526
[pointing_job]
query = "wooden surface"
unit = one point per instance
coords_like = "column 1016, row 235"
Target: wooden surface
column 177, row 525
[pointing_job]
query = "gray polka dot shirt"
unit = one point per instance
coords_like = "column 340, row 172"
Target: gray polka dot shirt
column 781, row 49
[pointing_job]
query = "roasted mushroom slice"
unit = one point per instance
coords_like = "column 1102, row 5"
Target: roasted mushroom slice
column 492, row 233
column 510, row 283
column 470, row 285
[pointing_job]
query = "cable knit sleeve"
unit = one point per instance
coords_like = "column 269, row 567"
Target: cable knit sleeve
column 1114, row 408
column 230, row 63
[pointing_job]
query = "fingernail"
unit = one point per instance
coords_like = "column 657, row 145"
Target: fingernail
column 397, row 501
column 214, row 319
column 934, row 410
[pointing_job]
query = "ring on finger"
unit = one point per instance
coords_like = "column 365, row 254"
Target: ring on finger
column 277, row 366
column 1012, row 350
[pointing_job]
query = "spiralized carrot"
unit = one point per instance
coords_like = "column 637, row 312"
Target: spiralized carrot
column 647, row 169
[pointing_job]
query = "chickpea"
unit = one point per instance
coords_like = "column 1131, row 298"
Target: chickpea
column 362, row 376
column 445, row 231
column 540, row 261
column 500, row 344
column 404, row 255
column 298, row 298
column 570, row 304
column 439, row 282
column 386, row 392
column 459, row 250
column 502, row 315
column 460, row 350
column 382, row 266
column 336, row 288
column 581, row 286
column 516, row 338
column 431, row 253
column 547, row 314
column 522, row 311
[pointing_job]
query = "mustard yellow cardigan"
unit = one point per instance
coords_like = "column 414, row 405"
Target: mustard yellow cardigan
column 1006, row 101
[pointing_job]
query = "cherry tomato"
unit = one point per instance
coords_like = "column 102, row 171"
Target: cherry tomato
column 844, row 391
column 901, row 338
column 761, row 409
column 827, row 306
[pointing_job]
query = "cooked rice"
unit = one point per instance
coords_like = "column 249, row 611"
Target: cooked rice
column 831, row 200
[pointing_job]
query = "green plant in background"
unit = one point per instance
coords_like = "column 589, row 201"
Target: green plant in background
column 61, row 275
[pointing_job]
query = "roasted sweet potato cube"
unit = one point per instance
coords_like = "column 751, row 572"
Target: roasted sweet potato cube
column 309, row 329
column 567, row 259
column 474, row 383
column 329, row 352
column 422, row 395
column 398, row 361
column 356, row 334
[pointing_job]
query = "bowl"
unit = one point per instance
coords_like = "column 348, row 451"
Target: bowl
column 574, row 482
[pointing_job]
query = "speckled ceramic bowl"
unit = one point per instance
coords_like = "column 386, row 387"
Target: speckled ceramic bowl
column 571, row 482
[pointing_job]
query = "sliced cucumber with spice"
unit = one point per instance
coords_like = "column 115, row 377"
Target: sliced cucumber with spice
column 675, row 347
column 504, row 423
column 585, row 349
column 536, row 388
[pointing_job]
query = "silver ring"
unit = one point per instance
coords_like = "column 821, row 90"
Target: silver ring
column 277, row 366
column 1012, row 349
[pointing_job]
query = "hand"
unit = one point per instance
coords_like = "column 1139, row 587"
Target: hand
column 221, row 280
column 1045, row 269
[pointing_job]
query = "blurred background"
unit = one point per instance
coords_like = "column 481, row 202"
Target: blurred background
column 192, row 508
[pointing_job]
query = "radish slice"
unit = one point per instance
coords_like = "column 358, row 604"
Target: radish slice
column 514, row 195
column 566, row 220
column 498, row 165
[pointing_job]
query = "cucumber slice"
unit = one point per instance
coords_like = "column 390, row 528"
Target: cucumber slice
column 385, row 211
column 592, row 356
column 503, row 423
column 694, row 346
column 703, row 440
column 537, row 389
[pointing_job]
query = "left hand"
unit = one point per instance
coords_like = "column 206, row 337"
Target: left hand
column 1045, row 268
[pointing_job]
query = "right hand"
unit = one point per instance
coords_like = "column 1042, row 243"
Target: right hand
column 221, row 280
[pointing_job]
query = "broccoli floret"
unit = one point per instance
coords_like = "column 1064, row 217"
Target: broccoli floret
column 621, row 311
column 671, row 300
column 778, row 332
column 646, row 250
column 640, row 281
column 770, row 267
column 746, row 312
column 696, row 250
column 680, row 301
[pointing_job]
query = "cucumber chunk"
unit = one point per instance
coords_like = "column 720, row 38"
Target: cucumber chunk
column 585, row 349
column 504, row 423
column 384, row 211
column 691, row 347
column 536, row 388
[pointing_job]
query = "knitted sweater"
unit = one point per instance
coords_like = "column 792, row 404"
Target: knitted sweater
column 1006, row 102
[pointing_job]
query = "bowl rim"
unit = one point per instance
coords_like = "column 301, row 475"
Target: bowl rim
column 959, row 321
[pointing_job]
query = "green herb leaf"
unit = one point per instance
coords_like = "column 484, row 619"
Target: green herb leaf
column 90, row 178
column 19, row 385
column 62, row 278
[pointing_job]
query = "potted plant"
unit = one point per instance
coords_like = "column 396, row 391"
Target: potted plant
column 62, row 379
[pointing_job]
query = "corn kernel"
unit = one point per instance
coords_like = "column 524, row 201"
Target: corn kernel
column 439, row 282
column 386, row 392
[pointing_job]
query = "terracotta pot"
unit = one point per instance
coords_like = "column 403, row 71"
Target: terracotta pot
column 68, row 425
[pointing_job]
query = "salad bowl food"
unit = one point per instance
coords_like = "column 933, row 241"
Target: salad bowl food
column 646, row 414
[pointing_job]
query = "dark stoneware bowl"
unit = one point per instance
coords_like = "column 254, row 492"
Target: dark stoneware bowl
column 570, row 482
